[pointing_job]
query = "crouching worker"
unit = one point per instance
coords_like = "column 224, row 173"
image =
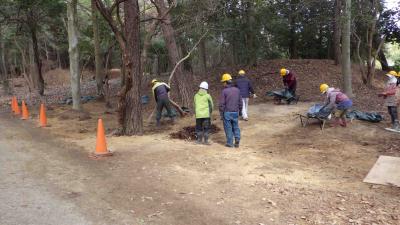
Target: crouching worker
column 391, row 100
column 338, row 101
column 203, row 107
column 160, row 91
column 230, row 106
column 290, row 82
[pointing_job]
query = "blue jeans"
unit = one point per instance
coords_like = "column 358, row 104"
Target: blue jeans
column 231, row 127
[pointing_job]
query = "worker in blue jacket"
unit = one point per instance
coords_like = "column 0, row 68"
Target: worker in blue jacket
column 246, row 91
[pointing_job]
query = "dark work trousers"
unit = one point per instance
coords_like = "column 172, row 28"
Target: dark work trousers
column 161, row 104
column 393, row 113
column 292, row 90
column 203, row 127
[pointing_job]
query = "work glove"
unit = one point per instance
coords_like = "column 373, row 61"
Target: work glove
column 254, row 96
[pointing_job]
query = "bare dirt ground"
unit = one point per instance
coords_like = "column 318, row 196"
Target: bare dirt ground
column 282, row 173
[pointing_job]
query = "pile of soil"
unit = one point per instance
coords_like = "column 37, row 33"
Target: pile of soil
column 310, row 74
column 189, row 133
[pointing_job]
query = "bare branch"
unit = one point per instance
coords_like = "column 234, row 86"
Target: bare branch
column 185, row 58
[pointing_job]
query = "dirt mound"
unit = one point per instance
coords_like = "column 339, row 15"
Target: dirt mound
column 189, row 133
column 310, row 74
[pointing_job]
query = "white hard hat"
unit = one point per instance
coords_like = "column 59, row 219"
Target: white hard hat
column 204, row 85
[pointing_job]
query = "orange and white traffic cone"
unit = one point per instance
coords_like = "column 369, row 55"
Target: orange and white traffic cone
column 25, row 113
column 42, row 116
column 101, row 145
column 17, row 110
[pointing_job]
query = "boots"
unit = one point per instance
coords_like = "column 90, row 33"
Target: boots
column 343, row 122
column 236, row 143
column 206, row 142
column 158, row 123
column 199, row 139
column 336, row 123
column 396, row 125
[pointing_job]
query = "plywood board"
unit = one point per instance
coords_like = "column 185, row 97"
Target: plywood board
column 386, row 171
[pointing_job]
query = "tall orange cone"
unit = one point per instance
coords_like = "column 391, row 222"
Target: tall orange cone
column 101, row 145
column 13, row 104
column 25, row 113
column 42, row 116
column 17, row 110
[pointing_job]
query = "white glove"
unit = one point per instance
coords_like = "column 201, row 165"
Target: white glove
column 254, row 96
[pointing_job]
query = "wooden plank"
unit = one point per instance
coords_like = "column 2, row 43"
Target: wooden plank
column 386, row 171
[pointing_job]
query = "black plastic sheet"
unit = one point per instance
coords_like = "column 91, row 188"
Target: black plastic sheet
column 317, row 111
column 282, row 94
column 372, row 117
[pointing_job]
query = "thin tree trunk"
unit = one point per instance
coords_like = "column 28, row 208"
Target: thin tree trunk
column 74, row 54
column 360, row 61
column 383, row 60
column 293, row 54
column 251, row 37
column 97, row 55
column 337, row 31
column 147, row 43
column 38, row 61
column 33, row 74
column 346, row 60
column 132, row 107
column 371, row 30
column 4, row 72
column 27, row 76
column 203, row 56
column 181, row 79
column 58, row 58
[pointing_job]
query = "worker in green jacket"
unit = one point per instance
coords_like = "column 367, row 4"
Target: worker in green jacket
column 203, row 105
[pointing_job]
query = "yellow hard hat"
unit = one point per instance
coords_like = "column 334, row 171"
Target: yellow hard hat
column 393, row 73
column 242, row 72
column 323, row 88
column 226, row 77
column 154, row 81
column 283, row 72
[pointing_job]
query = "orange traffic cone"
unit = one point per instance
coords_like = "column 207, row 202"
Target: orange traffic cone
column 101, row 145
column 42, row 116
column 17, row 110
column 13, row 104
column 25, row 113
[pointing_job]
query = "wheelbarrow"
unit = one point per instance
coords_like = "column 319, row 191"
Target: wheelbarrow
column 316, row 112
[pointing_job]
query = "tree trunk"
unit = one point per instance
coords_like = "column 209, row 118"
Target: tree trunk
column 74, row 53
column 371, row 30
column 293, row 54
column 131, row 107
column 203, row 56
column 251, row 37
column 58, row 58
column 4, row 72
column 38, row 61
column 383, row 60
column 346, row 60
column 337, row 31
column 147, row 43
column 25, row 73
column 181, row 79
column 97, row 55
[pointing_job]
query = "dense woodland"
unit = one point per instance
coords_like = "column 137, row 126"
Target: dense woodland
column 178, row 39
